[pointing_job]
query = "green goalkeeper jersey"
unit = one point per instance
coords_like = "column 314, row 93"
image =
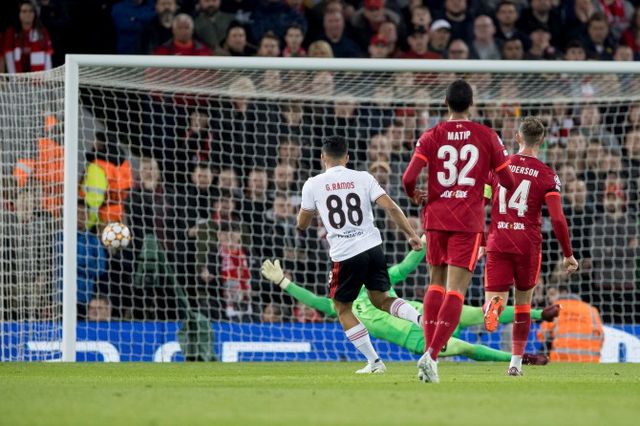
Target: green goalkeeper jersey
column 385, row 326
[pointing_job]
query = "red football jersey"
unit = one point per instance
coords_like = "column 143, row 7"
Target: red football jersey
column 516, row 215
column 460, row 154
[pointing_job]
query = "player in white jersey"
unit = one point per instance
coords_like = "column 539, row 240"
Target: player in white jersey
column 343, row 198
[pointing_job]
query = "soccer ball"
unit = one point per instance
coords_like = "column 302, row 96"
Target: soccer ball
column 116, row 235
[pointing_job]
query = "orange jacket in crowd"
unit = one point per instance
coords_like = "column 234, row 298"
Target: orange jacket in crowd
column 576, row 335
column 46, row 172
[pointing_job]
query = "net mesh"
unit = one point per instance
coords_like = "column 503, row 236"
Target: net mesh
column 207, row 171
column 30, row 215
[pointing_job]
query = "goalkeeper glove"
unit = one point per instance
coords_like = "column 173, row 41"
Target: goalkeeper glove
column 273, row 272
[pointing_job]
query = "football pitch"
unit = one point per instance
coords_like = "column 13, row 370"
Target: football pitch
column 316, row 393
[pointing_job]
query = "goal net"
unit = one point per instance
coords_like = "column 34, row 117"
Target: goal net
column 206, row 164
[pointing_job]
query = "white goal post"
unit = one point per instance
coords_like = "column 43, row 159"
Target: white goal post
column 129, row 73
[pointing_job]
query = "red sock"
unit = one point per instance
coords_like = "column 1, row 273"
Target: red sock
column 433, row 299
column 521, row 326
column 448, row 320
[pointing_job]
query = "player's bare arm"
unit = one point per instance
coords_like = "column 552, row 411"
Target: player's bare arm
column 304, row 219
column 401, row 220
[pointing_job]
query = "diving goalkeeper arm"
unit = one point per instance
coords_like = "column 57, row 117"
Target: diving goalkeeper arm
column 273, row 272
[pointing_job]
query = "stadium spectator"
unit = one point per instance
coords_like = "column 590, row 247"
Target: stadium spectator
column 389, row 31
column 439, row 36
column 272, row 313
column 576, row 23
column 234, row 274
column 193, row 204
column 304, row 314
column 99, row 309
column 334, row 33
column 235, row 42
column 56, row 18
column 130, row 18
column 576, row 335
column 182, row 42
column 506, row 18
column 623, row 53
column 27, row 257
column 458, row 49
column 579, row 214
column 379, row 149
column 255, row 205
column 619, row 14
column 512, row 49
column 367, row 20
column 269, row 45
column 541, row 47
column 159, row 30
column 461, row 21
column 281, row 219
column 91, row 257
column 576, row 148
column 290, row 152
column 107, row 181
column 419, row 45
column 211, row 24
column 631, row 36
column 614, row 248
column 575, row 51
column 27, row 46
column 382, row 172
column 598, row 42
column 228, row 182
column 592, row 127
column 284, row 178
column 276, row 16
column 541, row 13
column 320, row 49
column 419, row 15
column 377, row 114
column 484, row 45
column 379, row 47
column 293, row 38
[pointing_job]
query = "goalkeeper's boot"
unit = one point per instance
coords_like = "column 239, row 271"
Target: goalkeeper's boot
column 514, row 371
column 492, row 310
column 377, row 367
column 550, row 313
column 428, row 369
column 535, row 359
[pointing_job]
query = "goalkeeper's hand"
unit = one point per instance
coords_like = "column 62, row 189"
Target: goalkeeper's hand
column 273, row 272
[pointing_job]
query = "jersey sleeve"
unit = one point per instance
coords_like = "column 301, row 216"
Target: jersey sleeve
column 422, row 146
column 375, row 190
column 499, row 154
column 308, row 203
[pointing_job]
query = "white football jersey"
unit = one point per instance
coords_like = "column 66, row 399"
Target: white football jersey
column 343, row 197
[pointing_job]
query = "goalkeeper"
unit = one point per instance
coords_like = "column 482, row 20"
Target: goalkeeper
column 403, row 333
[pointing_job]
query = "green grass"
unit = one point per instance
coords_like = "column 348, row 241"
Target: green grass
column 316, row 393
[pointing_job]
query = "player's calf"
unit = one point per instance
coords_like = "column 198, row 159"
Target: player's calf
column 395, row 306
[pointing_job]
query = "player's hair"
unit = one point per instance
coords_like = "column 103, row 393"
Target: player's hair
column 335, row 146
column 532, row 131
column 597, row 17
column 459, row 96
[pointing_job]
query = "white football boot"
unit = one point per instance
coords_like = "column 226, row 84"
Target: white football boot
column 377, row 367
column 428, row 369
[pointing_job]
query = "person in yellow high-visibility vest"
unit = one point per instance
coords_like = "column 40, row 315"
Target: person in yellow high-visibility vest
column 107, row 181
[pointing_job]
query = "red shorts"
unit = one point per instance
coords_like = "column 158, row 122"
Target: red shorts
column 453, row 248
column 505, row 269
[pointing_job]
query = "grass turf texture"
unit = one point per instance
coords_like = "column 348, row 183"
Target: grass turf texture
column 316, row 393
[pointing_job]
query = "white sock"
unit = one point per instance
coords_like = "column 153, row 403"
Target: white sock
column 516, row 361
column 359, row 336
column 401, row 309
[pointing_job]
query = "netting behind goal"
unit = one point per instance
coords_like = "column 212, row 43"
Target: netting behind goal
column 206, row 168
column 31, row 155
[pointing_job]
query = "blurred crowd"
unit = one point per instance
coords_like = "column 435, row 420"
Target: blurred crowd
column 37, row 34
column 210, row 186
